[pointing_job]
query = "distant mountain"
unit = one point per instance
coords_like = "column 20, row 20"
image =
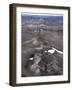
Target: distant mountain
column 40, row 19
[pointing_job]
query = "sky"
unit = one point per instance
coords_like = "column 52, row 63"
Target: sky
column 50, row 18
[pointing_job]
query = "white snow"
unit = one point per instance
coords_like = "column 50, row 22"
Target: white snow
column 45, row 51
column 31, row 58
column 58, row 51
column 51, row 51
